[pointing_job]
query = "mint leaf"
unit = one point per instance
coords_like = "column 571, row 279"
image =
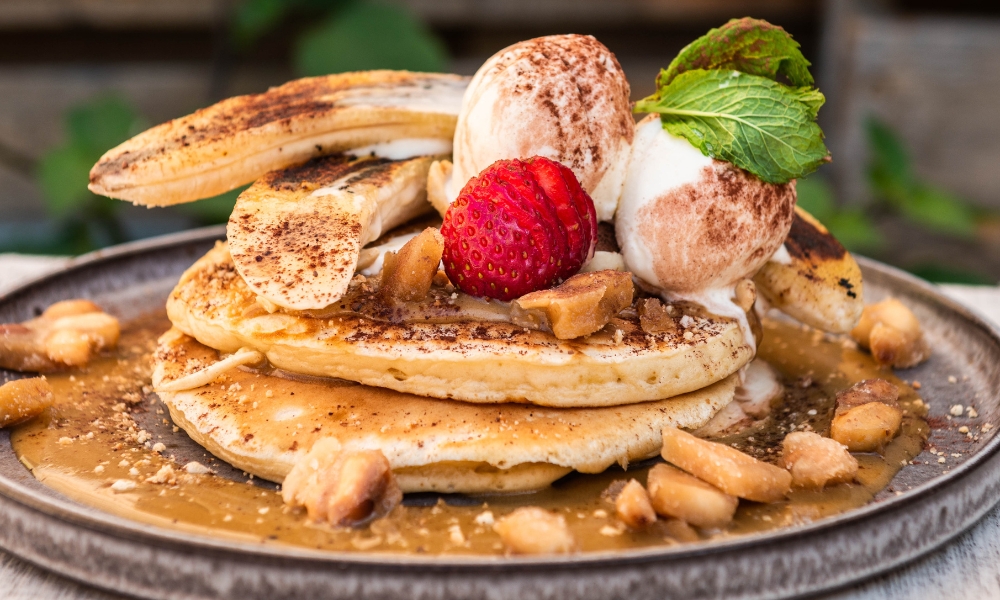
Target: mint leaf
column 751, row 121
column 748, row 45
column 811, row 97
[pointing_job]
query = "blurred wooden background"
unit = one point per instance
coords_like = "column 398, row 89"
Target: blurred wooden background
column 929, row 69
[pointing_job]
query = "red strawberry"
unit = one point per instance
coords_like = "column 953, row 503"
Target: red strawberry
column 517, row 227
column 574, row 206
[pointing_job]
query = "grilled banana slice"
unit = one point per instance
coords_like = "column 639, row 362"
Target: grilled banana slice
column 237, row 140
column 295, row 234
column 813, row 278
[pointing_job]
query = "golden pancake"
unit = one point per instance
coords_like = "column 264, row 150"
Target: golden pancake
column 475, row 361
column 264, row 423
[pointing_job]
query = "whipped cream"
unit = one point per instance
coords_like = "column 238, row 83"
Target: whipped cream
column 404, row 148
column 759, row 384
column 719, row 301
column 781, row 256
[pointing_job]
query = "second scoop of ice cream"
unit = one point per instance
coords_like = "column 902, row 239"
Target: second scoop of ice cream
column 687, row 223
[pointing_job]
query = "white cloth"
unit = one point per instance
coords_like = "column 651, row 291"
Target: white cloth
column 18, row 268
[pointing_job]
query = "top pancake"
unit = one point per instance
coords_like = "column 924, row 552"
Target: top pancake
column 473, row 361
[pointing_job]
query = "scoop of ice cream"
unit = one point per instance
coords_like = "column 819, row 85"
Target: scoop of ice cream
column 687, row 223
column 563, row 97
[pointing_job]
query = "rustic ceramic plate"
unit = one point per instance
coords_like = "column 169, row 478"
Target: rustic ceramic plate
column 83, row 543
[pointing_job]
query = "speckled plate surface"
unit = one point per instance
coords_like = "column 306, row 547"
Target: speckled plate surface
column 49, row 530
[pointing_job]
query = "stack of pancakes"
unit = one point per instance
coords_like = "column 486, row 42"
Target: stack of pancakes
column 455, row 406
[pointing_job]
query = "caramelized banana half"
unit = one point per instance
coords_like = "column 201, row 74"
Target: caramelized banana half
column 239, row 139
column 296, row 234
column 817, row 281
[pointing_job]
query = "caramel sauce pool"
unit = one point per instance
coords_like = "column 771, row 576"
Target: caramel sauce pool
column 90, row 448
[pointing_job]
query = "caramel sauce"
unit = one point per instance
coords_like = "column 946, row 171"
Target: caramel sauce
column 91, row 448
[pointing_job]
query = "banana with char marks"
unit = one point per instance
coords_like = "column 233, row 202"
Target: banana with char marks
column 237, row 140
column 817, row 282
column 296, row 234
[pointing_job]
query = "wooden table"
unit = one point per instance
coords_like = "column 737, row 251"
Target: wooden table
column 968, row 567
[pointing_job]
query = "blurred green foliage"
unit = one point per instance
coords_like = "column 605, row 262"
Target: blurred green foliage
column 897, row 191
column 80, row 220
column 352, row 35
column 852, row 226
column 84, row 220
column 894, row 183
column 349, row 35
column 939, row 273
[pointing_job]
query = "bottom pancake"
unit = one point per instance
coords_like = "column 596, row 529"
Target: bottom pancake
column 264, row 423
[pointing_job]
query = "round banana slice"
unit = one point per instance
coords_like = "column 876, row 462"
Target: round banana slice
column 813, row 278
column 296, row 234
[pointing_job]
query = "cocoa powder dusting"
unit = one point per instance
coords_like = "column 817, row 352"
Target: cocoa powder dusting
column 695, row 231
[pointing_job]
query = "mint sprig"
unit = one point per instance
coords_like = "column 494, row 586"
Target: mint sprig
column 751, row 46
column 748, row 120
column 722, row 93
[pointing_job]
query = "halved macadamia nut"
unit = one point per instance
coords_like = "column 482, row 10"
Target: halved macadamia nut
column 674, row 493
column 579, row 306
column 532, row 530
column 23, row 399
column 67, row 334
column 633, row 506
column 407, row 275
column 868, row 416
column 656, row 317
column 728, row 469
column 892, row 333
column 342, row 488
column 815, row 461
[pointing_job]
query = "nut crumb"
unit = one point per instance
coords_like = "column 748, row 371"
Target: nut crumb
column 165, row 476
column 122, row 485
column 455, row 535
column 196, row 468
